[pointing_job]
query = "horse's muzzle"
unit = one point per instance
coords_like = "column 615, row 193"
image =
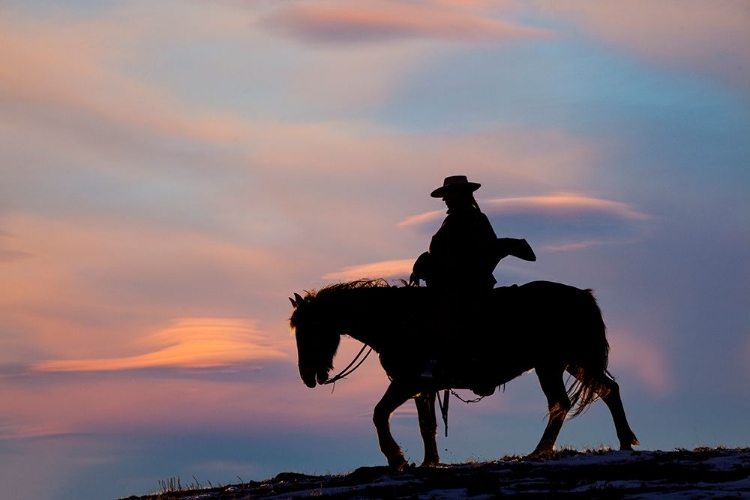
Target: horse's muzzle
column 310, row 377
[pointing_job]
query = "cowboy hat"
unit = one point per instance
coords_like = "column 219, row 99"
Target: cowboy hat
column 455, row 183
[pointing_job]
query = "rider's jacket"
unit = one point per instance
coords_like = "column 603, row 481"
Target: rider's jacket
column 462, row 254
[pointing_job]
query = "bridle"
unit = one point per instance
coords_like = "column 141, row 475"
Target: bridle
column 351, row 367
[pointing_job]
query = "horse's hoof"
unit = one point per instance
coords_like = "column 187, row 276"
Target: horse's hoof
column 398, row 464
column 432, row 465
column 540, row 454
column 626, row 445
column 429, row 465
column 403, row 466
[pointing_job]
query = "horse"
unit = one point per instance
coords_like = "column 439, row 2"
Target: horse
column 545, row 326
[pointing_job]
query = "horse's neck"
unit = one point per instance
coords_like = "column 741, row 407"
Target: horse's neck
column 362, row 319
column 365, row 330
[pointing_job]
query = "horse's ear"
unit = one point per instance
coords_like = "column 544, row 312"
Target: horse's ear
column 296, row 301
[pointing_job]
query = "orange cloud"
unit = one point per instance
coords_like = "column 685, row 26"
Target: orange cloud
column 188, row 343
column 383, row 20
column 90, row 281
column 48, row 403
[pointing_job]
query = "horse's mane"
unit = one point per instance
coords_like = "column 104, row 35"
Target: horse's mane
column 338, row 288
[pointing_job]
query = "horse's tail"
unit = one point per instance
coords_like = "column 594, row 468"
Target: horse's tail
column 590, row 357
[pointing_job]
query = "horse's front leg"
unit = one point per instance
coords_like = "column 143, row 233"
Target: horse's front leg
column 428, row 427
column 396, row 395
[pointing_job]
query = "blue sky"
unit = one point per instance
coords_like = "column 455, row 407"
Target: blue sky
column 172, row 172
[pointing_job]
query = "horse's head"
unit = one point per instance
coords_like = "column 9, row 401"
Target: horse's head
column 316, row 342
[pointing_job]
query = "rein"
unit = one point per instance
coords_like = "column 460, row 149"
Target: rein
column 351, row 367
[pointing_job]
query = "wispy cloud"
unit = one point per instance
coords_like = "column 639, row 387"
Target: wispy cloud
column 388, row 269
column 347, row 22
column 561, row 222
column 421, row 219
column 565, row 205
column 188, row 343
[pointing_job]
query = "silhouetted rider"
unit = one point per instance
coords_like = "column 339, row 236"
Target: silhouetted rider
column 461, row 256
column 458, row 265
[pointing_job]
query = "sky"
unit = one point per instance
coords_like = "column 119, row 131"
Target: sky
column 173, row 171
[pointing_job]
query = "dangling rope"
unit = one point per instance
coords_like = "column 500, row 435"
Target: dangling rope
column 467, row 401
column 444, row 406
column 351, row 367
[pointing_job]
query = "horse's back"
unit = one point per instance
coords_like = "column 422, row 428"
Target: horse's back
column 544, row 306
column 550, row 287
column 542, row 293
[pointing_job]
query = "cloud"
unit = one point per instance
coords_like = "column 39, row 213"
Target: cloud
column 565, row 205
column 642, row 359
column 561, row 222
column 422, row 219
column 348, row 22
column 188, row 343
column 85, row 88
column 91, row 281
column 711, row 37
column 386, row 269
column 166, row 386
column 10, row 255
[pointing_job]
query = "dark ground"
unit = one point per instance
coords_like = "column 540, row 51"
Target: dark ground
column 681, row 474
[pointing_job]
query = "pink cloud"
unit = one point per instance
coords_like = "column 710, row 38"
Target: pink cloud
column 187, row 343
column 340, row 21
column 643, row 359
column 557, row 222
column 68, row 80
column 559, row 205
column 573, row 246
column 567, row 205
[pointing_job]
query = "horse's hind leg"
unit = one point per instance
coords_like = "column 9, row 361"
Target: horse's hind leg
column 558, row 403
column 614, row 403
column 425, row 403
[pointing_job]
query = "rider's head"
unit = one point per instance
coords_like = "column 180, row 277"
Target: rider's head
column 457, row 191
